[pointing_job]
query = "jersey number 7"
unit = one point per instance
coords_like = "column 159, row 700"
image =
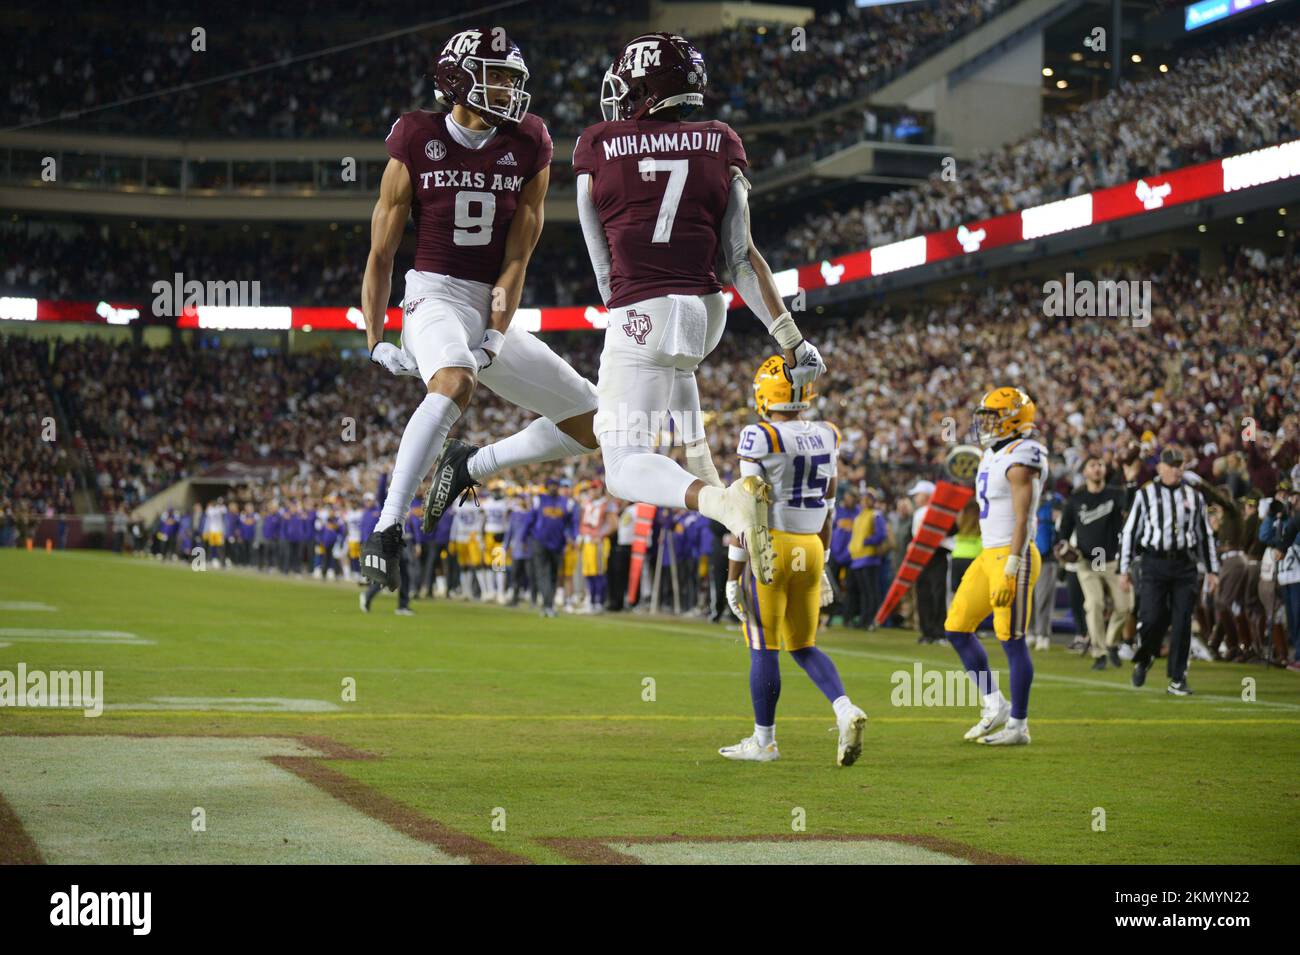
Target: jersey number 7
column 677, row 170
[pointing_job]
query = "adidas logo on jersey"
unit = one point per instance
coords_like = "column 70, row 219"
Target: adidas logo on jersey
column 507, row 160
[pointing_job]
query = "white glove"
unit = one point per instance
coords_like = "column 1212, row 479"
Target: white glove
column 828, row 592
column 808, row 362
column 489, row 348
column 808, row 365
column 734, row 601
column 394, row 360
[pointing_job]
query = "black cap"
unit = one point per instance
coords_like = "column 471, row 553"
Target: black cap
column 1172, row 456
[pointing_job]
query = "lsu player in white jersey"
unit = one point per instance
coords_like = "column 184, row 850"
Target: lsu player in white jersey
column 495, row 509
column 214, row 531
column 352, row 515
column 1001, row 579
column 798, row 459
column 467, row 536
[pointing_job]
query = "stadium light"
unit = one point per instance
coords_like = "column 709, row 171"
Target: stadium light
column 1047, row 71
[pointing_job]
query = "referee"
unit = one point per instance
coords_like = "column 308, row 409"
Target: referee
column 1170, row 528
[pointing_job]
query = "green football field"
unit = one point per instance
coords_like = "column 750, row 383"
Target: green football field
column 254, row 719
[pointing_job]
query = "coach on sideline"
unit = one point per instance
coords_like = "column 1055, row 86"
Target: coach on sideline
column 1169, row 526
column 1094, row 514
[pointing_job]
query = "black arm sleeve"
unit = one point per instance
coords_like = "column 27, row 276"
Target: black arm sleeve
column 1067, row 519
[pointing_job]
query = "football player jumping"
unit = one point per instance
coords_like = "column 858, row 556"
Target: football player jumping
column 1001, row 579
column 798, row 459
column 474, row 179
column 657, row 196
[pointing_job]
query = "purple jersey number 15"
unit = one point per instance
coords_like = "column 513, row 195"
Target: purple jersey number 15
column 816, row 482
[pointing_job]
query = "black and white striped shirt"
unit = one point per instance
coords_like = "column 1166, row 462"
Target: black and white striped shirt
column 1167, row 518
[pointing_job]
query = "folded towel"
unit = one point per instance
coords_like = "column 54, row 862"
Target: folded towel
column 686, row 331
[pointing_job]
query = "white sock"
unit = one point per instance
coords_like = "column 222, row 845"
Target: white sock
column 766, row 734
column 994, row 700
column 484, row 584
column 422, row 442
column 635, row 473
column 1015, row 724
column 541, row 441
column 843, row 706
column 699, row 461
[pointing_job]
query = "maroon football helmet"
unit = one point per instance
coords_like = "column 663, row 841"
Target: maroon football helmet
column 653, row 72
column 460, row 74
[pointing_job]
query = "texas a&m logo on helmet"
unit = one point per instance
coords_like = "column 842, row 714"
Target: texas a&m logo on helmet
column 652, row 73
column 483, row 70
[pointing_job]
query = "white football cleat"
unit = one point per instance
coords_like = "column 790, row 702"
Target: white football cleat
column 749, row 749
column 746, row 513
column 990, row 720
column 1007, row 736
column 850, row 746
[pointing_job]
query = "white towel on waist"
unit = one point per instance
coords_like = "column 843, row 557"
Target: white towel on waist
column 688, row 326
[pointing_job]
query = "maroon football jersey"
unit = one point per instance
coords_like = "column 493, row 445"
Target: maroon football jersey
column 660, row 189
column 464, row 199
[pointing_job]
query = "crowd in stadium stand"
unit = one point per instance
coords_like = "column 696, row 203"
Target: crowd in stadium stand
column 1252, row 81
column 1143, row 129
column 309, row 266
column 1214, row 351
column 754, row 76
column 38, row 465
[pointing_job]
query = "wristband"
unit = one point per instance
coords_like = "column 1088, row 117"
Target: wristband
column 738, row 554
column 1013, row 565
column 786, row 332
column 493, row 341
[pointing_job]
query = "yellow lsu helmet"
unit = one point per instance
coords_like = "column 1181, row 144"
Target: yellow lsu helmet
column 774, row 392
column 1003, row 413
